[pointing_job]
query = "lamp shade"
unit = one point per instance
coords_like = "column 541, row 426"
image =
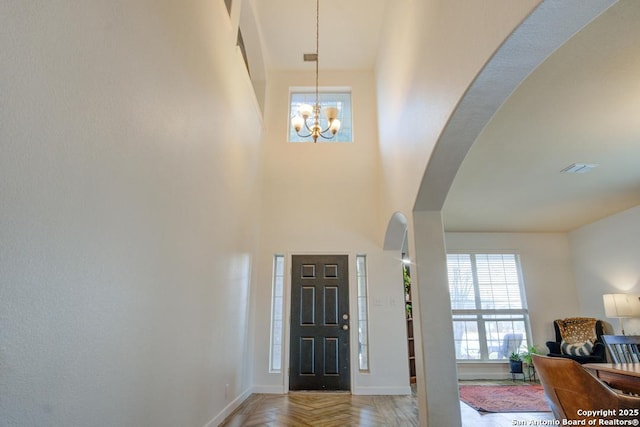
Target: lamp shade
column 331, row 113
column 621, row 305
column 297, row 122
column 305, row 110
column 335, row 126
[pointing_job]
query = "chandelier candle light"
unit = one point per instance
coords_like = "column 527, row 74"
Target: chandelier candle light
column 308, row 115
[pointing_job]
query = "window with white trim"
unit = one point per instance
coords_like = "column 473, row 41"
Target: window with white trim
column 363, row 313
column 489, row 311
column 338, row 99
column 277, row 308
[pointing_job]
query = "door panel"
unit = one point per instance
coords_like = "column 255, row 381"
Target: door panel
column 319, row 357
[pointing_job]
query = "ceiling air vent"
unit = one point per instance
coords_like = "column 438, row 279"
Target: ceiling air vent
column 579, row 168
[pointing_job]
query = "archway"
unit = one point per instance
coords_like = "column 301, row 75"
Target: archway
column 549, row 26
column 394, row 238
column 396, row 241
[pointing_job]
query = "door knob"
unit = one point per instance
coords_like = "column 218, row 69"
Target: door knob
column 345, row 327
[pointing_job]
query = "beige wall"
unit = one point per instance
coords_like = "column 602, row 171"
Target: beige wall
column 131, row 178
column 129, row 182
column 606, row 259
column 443, row 70
column 430, row 54
column 323, row 198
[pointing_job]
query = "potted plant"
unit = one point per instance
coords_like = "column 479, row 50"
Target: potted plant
column 526, row 358
column 515, row 362
column 526, row 355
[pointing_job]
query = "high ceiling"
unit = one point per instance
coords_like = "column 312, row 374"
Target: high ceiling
column 349, row 32
column 582, row 105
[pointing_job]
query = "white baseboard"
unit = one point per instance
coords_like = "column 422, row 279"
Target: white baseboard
column 485, row 376
column 487, row 371
column 382, row 391
column 372, row 391
column 228, row 410
column 268, row 389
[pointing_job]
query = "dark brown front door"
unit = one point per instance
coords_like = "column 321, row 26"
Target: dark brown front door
column 319, row 358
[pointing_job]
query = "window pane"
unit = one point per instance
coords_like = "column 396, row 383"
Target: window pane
column 498, row 282
column 461, row 282
column 362, row 282
column 467, row 342
column 277, row 308
column 363, row 355
column 363, row 318
column 362, row 308
column 340, row 100
column 279, row 267
column 505, row 337
column 277, row 303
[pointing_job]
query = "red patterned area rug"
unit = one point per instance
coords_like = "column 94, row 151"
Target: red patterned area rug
column 505, row 398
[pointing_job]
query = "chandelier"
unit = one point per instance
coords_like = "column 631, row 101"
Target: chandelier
column 309, row 115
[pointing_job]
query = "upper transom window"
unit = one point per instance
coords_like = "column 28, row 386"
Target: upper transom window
column 337, row 99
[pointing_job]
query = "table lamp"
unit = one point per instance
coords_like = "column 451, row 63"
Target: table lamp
column 621, row 306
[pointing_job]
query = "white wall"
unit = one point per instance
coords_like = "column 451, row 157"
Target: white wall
column 606, row 258
column 547, row 272
column 129, row 178
column 388, row 358
column 431, row 52
column 323, row 197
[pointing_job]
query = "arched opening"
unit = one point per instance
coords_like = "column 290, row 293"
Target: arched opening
column 394, row 238
column 548, row 27
column 396, row 241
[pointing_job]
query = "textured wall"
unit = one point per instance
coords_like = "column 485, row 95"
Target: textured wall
column 444, row 68
column 323, row 198
column 607, row 261
column 129, row 147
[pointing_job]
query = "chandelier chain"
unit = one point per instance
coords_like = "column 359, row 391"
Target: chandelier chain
column 308, row 113
column 317, row 49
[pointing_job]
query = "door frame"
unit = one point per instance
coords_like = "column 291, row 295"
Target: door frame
column 353, row 308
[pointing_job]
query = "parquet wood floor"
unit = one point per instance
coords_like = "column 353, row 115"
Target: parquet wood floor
column 324, row 410
column 343, row 409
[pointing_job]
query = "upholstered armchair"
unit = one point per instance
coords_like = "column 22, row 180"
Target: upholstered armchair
column 579, row 339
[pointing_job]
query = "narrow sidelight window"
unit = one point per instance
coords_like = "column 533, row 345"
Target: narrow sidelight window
column 277, row 301
column 363, row 313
